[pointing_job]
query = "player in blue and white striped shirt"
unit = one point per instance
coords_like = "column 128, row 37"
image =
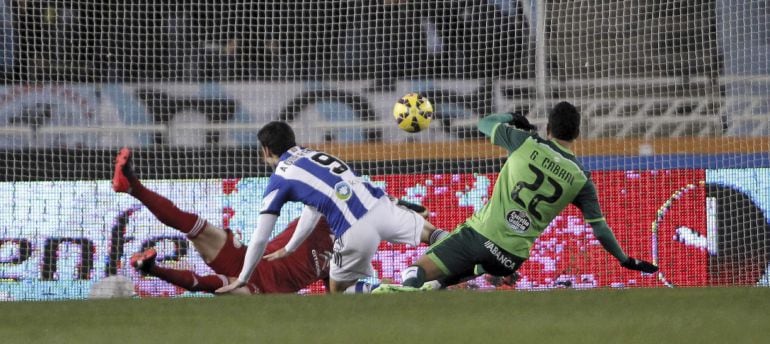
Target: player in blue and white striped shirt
column 359, row 213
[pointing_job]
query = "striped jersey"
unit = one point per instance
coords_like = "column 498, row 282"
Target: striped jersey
column 322, row 181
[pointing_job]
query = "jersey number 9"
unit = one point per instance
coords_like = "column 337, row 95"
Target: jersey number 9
column 334, row 164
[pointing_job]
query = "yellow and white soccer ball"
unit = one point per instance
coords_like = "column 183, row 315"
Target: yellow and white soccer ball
column 413, row 112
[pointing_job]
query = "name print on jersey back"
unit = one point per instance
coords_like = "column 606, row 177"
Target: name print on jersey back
column 558, row 171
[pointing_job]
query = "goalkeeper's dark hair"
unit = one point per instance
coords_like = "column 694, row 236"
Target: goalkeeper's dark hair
column 564, row 122
column 277, row 136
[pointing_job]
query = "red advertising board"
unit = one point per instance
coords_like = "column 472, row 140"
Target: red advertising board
column 567, row 254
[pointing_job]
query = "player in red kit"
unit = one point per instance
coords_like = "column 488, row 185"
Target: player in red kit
column 220, row 250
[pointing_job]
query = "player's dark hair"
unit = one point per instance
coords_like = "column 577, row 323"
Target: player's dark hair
column 278, row 137
column 564, row 122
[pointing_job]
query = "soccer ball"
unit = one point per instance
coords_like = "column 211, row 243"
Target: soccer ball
column 115, row 286
column 413, row 112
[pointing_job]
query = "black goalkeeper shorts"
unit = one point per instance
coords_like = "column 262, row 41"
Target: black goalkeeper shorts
column 458, row 254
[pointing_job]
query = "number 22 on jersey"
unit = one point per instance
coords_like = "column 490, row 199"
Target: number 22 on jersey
column 531, row 203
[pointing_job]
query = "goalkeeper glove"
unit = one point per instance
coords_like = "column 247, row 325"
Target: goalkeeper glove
column 519, row 121
column 639, row 265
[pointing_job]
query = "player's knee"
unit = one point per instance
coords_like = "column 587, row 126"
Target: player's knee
column 413, row 276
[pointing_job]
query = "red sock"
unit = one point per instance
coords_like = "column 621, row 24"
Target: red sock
column 165, row 211
column 189, row 280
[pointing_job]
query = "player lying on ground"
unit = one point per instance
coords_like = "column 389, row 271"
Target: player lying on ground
column 538, row 180
column 359, row 213
column 221, row 251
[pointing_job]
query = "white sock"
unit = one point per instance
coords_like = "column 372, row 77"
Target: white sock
column 360, row 288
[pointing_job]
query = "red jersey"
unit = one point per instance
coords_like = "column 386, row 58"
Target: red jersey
column 309, row 263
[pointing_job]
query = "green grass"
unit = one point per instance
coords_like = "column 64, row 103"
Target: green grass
column 707, row 315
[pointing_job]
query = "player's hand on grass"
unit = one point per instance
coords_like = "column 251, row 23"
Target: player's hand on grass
column 280, row 253
column 639, row 265
column 519, row 121
column 230, row 287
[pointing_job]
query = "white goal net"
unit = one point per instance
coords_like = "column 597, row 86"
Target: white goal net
column 675, row 98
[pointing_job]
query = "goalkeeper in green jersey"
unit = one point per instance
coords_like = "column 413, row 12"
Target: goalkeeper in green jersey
column 539, row 179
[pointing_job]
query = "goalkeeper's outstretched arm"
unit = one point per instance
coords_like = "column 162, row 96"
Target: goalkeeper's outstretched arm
column 505, row 136
column 516, row 120
column 488, row 123
column 603, row 233
column 588, row 203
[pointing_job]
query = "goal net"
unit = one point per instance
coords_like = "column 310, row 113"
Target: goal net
column 674, row 97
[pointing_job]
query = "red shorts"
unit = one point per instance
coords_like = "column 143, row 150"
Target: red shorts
column 229, row 260
column 309, row 263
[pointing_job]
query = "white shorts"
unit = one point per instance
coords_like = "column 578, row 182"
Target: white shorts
column 354, row 250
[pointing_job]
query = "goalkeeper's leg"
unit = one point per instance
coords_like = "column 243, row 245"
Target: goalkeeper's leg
column 451, row 260
column 424, row 270
column 414, row 278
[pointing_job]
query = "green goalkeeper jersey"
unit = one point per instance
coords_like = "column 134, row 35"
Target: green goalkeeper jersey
column 539, row 179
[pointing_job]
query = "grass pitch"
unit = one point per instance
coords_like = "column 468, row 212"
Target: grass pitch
column 705, row 315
